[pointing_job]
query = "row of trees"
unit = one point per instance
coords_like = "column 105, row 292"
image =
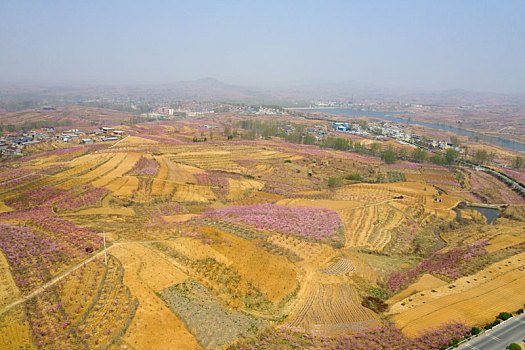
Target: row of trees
column 299, row 134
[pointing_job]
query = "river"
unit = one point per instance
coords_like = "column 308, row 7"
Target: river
column 391, row 116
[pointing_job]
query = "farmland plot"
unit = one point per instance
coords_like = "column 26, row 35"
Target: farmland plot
column 127, row 163
column 157, row 187
column 15, row 332
column 147, row 273
column 206, row 318
column 340, row 267
column 8, row 289
column 93, row 317
column 371, row 226
column 331, row 309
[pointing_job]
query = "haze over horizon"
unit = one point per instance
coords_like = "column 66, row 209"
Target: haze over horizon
column 472, row 45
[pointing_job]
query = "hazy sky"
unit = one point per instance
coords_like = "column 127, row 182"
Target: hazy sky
column 471, row 44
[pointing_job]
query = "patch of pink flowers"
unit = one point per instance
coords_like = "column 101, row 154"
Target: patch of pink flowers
column 306, row 222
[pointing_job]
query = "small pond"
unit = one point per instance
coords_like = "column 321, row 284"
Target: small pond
column 489, row 213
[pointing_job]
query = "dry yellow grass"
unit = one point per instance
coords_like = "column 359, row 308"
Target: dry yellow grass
column 154, row 325
column 273, row 275
column 127, row 163
column 15, row 331
column 196, row 250
column 135, row 141
column 182, row 173
column 330, row 309
column 477, row 232
column 503, row 241
column 103, row 169
column 425, row 282
column 122, row 211
column 157, row 186
column 8, row 289
column 129, row 184
column 370, row 226
column 4, row 208
column 323, row 203
column 193, row 193
column 476, row 299
column 239, row 188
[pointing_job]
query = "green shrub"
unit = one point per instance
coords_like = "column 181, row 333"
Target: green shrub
column 354, row 177
column 519, row 312
column 334, row 182
column 475, row 330
column 514, row 346
column 504, row 316
column 492, row 324
column 288, row 161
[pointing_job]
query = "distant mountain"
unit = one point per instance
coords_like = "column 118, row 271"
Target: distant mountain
column 210, row 89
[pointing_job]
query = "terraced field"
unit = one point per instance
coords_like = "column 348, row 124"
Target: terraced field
column 331, row 309
column 212, row 242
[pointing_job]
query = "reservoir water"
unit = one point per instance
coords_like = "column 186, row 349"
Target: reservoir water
column 489, row 213
column 394, row 117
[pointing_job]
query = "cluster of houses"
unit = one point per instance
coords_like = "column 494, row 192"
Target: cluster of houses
column 13, row 143
column 383, row 130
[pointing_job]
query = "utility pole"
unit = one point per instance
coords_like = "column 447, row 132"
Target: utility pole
column 105, row 254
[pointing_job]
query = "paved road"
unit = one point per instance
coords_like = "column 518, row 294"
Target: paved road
column 512, row 331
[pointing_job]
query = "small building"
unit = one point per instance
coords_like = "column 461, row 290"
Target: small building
column 86, row 141
column 106, row 130
column 110, row 138
column 118, row 132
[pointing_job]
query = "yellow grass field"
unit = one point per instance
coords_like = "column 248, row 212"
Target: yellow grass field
column 157, row 186
column 503, row 241
column 193, row 193
column 124, row 166
column 239, row 188
column 425, row 282
column 154, row 325
column 126, row 186
column 331, row 309
column 323, row 203
column 8, row 289
column 4, row 208
column 370, row 226
column 477, row 298
column 15, row 332
column 273, row 275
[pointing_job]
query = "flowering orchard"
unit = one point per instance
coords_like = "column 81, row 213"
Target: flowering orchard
column 446, row 264
column 305, row 222
column 89, row 308
column 62, row 200
column 36, row 252
column 386, row 336
column 144, row 167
